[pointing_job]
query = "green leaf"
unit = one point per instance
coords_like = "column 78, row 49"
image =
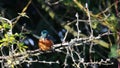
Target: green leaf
column 0, row 27
column 113, row 52
column 21, row 46
column 6, row 26
column 94, row 25
column 102, row 43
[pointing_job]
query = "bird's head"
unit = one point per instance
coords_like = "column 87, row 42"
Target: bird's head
column 44, row 34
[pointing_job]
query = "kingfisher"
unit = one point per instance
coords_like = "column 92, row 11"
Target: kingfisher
column 45, row 43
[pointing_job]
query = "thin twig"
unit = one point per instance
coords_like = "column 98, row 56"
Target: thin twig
column 22, row 14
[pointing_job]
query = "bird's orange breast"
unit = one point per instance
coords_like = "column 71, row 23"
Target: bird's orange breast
column 45, row 45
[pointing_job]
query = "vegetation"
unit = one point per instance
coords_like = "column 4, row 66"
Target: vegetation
column 89, row 28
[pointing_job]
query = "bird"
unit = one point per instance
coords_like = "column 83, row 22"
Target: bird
column 45, row 43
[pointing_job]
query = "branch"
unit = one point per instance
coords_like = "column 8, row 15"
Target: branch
column 67, row 27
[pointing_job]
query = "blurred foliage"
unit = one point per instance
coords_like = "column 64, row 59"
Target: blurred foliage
column 112, row 22
column 9, row 39
column 55, row 15
column 113, row 52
